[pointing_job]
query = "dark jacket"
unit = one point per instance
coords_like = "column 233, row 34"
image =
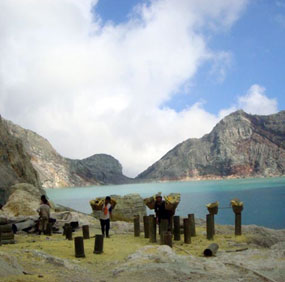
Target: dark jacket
column 161, row 211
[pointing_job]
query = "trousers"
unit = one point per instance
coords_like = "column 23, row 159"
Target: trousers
column 105, row 225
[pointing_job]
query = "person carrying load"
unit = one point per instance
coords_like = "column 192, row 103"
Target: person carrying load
column 106, row 214
column 161, row 211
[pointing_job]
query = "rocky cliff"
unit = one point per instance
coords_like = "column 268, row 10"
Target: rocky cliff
column 241, row 145
column 15, row 163
column 57, row 171
column 102, row 168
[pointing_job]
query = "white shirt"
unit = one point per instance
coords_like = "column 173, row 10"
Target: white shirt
column 106, row 215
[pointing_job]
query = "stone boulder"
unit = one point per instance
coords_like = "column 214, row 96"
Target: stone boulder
column 127, row 207
column 31, row 189
column 24, row 200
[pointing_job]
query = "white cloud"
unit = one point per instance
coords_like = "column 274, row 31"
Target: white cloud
column 91, row 87
column 254, row 101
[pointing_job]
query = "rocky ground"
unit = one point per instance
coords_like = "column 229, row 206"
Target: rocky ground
column 258, row 255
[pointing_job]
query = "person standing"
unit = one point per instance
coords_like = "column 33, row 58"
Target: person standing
column 105, row 216
column 44, row 213
column 161, row 212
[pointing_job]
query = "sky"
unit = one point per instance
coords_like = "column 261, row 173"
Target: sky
column 133, row 78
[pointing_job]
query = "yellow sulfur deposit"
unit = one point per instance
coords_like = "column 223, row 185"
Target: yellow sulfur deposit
column 150, row 201
column 236, row 203
column 172, row 198
column 98, row 203
column 213, row 205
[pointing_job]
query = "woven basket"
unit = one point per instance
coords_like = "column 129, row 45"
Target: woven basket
column 171, row 206
column 150, row 203
column 113, row 203
column 213, row 210
column 237, row 209
column 96, row 206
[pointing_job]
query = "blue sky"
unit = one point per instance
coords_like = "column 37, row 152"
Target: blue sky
column 256, row 42
column 134, row 78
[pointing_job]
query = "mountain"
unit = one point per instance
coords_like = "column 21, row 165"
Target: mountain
column 56, row 171
column 15, row 163
column 240, row 145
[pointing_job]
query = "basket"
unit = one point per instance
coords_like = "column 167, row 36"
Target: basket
column 171, row 206
column 96, row 205
column 150, row 203
column 113, row 203
column 213, row 210
column 237, row 209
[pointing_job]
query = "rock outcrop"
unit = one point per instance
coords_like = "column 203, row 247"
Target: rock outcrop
column 15, row 162
column 101, row 168
column 56, row 171
column 241, row 145
column 23, row 200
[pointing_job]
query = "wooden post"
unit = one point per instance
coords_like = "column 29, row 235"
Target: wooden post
column 214, row 230
column 210, row 226
column 177, row 235
column 237, row 223
column 146, row 226
column 137, row 225
column 68, row 232
column 164, row 224
column 211, row 250
column 171, row 224
column 3, row 220
column 99, row 240
column 192, row 224
column 166, row 238
column 85, row 232
column 6, row 228
column 187, row 235
column 152, row 229
column 7, row 236
column 79, row 247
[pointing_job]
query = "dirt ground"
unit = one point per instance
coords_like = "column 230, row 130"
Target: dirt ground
column 125, row 257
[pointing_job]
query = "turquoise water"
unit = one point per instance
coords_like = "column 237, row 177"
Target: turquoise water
column 264, row 198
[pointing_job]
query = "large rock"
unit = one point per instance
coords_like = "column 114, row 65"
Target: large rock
column 127, row 207
column 240, row 145
column 24, row 200
column 15, row 163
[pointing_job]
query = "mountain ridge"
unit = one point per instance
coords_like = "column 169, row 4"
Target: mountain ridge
column 56, row 171
column 240, row 145
column 234, row 148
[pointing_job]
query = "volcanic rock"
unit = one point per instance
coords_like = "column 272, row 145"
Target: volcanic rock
column 240, row 145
